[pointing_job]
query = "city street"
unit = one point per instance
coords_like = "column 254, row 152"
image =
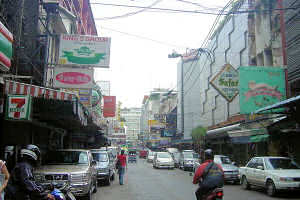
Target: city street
column 142, row 182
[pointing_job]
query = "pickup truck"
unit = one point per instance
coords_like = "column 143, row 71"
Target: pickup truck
column 272, row 173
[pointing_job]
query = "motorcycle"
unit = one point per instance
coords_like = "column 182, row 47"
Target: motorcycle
column 216, row 194
column 61, row 191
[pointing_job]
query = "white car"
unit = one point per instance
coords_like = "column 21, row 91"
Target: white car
column 272, row 173
column 150, row 156
column 163, row 160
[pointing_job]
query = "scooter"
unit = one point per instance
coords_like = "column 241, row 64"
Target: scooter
column 61, row 191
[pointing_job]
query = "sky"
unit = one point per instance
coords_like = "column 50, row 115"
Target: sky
column 140, row 43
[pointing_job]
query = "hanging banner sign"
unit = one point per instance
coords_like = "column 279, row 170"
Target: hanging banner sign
column 260, row 87
column 109, row 107
column 83, row 50
column 18, row 107
column 73, row 78
column 226, row 82
column 6, row 49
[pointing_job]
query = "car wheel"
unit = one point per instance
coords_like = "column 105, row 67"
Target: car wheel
column 107, row 181
column 89, row 195
column 95, row 186
column 245, row 183
column 271, row 189
column 113, row 177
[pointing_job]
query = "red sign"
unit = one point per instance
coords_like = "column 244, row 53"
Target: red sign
column 73, row 78
column 109, row 107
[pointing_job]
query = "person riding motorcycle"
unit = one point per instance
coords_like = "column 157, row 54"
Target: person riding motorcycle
column 209, row 176
column 22, row 180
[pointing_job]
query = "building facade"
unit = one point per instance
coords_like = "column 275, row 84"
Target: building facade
column 131, row 118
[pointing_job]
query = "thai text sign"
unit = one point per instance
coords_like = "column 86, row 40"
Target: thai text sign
column 260, row 87
column 6, row 40
column 18, row 107
column 83, row 50
column 73, row 78
column 84, row 95
column 109, row 107
column 227, row 82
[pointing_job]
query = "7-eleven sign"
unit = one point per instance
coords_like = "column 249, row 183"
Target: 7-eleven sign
column 18, row 107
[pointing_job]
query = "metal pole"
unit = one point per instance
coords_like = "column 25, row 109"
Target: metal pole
column 182, row 98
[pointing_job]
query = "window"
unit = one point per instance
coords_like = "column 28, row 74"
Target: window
column 252, row 163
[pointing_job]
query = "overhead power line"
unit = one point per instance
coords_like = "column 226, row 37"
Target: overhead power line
column 144, row 38
column 218, row 12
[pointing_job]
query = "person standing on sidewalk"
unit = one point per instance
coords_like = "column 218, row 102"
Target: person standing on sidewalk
column 123, row 165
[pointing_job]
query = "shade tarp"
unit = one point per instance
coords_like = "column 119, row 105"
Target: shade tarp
column 259, row 138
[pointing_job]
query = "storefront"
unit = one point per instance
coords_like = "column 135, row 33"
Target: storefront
column 285, row 133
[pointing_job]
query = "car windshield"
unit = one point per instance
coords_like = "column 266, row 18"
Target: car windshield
column 282, row 163
column 195, row 155
column 66, row 158
column 188, row 155
column 163, row 155
column 225, row 160
column 151, row 153
column 100, row 157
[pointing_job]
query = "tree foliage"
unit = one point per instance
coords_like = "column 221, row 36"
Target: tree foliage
column 198, row 133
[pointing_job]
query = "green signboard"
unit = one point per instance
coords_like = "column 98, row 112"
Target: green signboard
column 260, row 87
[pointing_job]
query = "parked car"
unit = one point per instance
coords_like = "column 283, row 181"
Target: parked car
column 231, row 172
column 176, row 157
column 105, row 165
column 186, row 160
column 74, row 166
column 163, row 160
column 272, row 173
column 150, row 156
column 143, row 153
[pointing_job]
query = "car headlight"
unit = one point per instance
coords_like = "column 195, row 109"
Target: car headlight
column 286, row 179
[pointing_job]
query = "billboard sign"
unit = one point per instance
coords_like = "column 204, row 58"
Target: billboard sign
column 226, row 82
column 109, row 107
column 260, row 87
column 6, row 48
column 73, row 77
column 18, row 107
column 84, row 50
column 84, row 95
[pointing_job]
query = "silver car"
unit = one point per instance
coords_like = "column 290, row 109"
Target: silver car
column 163, row 160
column 186, row 160
column 105, row 165
column 75, row 166
column 150, row 156
column 231, row 172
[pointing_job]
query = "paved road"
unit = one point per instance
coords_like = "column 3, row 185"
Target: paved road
column 142, row 182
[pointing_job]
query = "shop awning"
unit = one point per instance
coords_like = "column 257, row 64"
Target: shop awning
column 221, row 132
column 286, row 103
column 259, row 138
column 13, row 87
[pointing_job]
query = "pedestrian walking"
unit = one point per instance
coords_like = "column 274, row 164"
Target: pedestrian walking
column 4, row 176
column 122, row 166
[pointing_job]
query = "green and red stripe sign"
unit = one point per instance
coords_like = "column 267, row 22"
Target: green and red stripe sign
column 6, row 40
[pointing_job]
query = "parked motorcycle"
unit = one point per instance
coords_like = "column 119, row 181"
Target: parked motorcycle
column 61, row 191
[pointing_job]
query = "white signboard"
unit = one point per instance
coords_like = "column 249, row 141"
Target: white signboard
column 227, row 82
column 18, row 107
column 84, row 50
column 73, row 78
